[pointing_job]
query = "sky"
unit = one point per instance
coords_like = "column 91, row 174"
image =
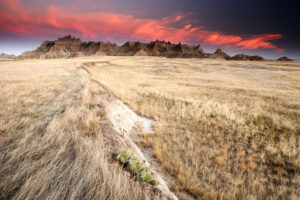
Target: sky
column 256, row 27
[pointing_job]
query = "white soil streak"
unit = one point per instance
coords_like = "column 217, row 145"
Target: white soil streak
column 125, row 121
column 147, row 125
column 100, row 64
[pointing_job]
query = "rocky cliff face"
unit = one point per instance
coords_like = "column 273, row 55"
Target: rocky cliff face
column 107, row 48
column 69, row 46
column 40, row 51
column 88, row 48
column 64, row 47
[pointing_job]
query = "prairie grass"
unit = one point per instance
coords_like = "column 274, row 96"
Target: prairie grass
column 54, row 143
column 224, row 129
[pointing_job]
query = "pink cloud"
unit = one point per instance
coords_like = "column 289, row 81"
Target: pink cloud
column 257, row 41
column 219, row 39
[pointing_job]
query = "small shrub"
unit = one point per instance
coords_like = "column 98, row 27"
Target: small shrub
column 136, row 168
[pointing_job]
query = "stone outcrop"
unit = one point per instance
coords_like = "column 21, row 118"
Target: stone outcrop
column 219, row 54
column 284, row 58
column 247, row 57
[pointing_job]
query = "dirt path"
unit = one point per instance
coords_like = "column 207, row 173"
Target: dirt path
column 128, row 124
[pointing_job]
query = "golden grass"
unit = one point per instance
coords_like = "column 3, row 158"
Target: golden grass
column 52, row 145
column 224, row 129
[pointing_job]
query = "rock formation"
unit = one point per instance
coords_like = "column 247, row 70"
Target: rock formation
column 88, row 48
column 219, row 54
column 284, row 58
column 40, row 51
column 107, row 48
column 69, row 46
column 64, row 47
column 247, row 57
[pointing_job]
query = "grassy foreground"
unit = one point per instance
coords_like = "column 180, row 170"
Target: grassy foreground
column 224, row 129
column 54, row 143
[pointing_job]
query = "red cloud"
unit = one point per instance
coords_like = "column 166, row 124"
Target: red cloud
column 219, row 39
column 17, row 19
column 259, row 41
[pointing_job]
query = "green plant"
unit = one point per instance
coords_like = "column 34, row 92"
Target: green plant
column 136, row 168
column 90, row 106
column 33, row 114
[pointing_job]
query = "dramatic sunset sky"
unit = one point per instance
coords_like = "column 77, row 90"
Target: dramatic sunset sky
column 266, row 27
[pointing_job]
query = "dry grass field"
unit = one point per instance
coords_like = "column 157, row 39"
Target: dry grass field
column 223, row 129
column 53, row 142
